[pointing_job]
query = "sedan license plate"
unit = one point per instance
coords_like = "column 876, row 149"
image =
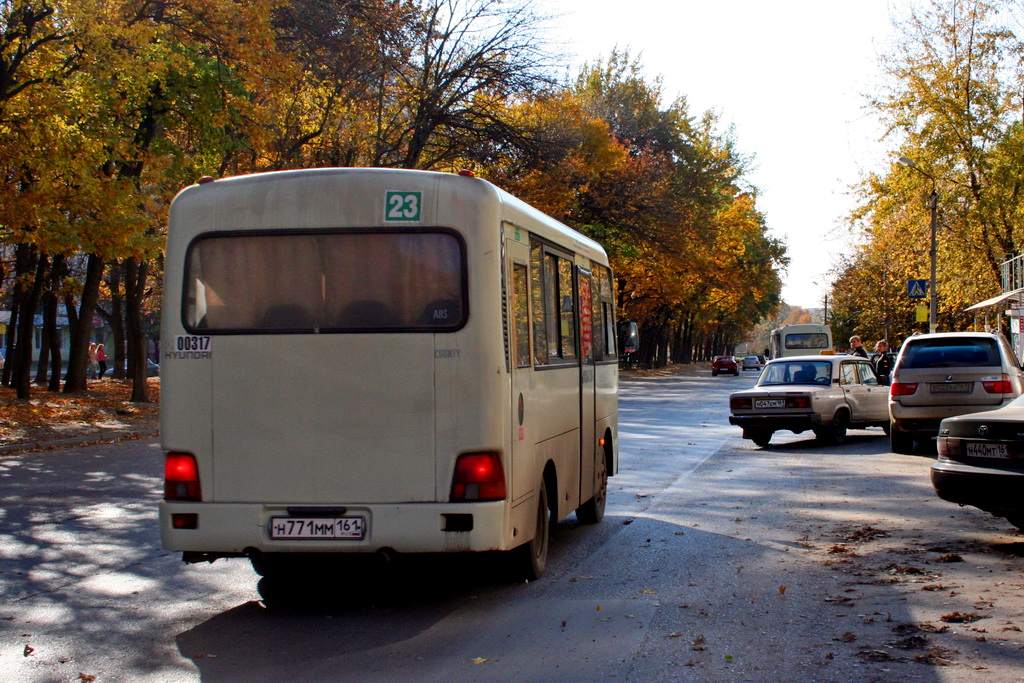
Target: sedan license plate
column 770, row 403
column 318, row 528
column 987, row 450
column 952, row 388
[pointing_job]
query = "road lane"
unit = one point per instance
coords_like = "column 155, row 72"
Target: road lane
column 713, row 562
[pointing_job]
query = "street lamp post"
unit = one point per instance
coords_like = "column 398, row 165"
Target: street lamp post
column 933, row 204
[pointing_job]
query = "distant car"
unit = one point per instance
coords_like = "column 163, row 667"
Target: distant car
column 948, row 374
column 721, row 364
column 152, row 370
column 751, row 363
column 826, row 394
column 981, row 461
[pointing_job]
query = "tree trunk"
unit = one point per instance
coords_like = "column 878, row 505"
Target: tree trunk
column 117, row 320
column 43, row 364
column 22, row 372
column 58, row 268
column 135, row 286
column 78, row 356
column 22, row 266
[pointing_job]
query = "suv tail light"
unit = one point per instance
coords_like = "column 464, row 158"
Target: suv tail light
column 997, row 384
column 903, row 388
column 740, row 403
column 181, row 477
column 478, row 477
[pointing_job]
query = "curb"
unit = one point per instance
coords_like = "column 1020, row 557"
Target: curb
column 93, row 439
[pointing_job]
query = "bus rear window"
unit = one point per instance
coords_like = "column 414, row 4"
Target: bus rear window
column 325, row 282
column 807, row 340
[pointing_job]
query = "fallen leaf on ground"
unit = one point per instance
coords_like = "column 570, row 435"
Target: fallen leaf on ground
column 861, row 534
column 873, row 655
column 599, row 608
column 937, row 656
column 699, row 643
column 905, row 569
column 911, row 643
column 675, row 634
column 961, row 617
column 86, row 678
column 847, row 637
column 949, row 557
column 627, row 522
column 648, row 591
column 479, row 660
column 27, row 651
column 782, row 590
column 934, row 587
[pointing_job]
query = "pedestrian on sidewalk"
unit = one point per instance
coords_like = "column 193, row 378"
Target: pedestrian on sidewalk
column 882, row 361
column 101, row 359
column 857, row 347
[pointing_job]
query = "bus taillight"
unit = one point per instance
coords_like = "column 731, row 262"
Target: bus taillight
column 181, row 477
column 478, row 477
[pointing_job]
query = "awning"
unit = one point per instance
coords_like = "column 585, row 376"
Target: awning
column 995, row 300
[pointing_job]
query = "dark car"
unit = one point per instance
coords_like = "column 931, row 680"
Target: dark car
column 152, row 370
column 724, row 364
column 981, row 461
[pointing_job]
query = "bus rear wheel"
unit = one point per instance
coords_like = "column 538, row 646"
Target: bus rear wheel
column 530, row 559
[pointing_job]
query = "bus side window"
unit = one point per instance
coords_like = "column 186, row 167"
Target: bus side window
column 540, row 343
column 521, row 315
column 604, row 313
column 567, row 309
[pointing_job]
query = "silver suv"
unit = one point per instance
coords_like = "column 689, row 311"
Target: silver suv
column 952, row 373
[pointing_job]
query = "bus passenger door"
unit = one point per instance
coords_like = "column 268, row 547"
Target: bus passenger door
column 524, row 470
column 588, row 395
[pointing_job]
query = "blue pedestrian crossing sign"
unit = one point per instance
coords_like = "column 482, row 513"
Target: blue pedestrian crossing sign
column 917, row 289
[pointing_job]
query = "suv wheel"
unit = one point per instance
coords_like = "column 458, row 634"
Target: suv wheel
column 900, row 442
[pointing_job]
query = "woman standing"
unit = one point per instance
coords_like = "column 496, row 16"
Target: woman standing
column 101, row 358
column 92, row 361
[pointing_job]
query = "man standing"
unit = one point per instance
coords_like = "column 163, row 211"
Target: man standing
column 857, row 348
column 882, row 361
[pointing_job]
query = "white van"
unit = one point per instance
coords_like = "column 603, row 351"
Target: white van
column 363, row 360
column 807, row 339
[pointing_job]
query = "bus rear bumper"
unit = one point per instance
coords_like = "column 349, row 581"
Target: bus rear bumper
column 225, row 529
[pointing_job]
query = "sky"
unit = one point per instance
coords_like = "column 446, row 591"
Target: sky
column 791, row 77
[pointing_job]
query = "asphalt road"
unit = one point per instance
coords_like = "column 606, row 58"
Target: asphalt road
column 717, row 560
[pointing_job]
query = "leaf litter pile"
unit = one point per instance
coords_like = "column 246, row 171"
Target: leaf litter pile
column 103, row 413
column 879, row 564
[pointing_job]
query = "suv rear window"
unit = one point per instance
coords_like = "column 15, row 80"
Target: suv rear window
column 325, row 281
column 951, row 352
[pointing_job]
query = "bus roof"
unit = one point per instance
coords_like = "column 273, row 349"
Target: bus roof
column 237, row 189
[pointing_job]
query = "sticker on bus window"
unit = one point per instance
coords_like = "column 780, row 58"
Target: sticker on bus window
column 402, row 207
column 190, row 346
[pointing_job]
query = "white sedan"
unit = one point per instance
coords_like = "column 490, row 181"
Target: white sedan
column 825, row 394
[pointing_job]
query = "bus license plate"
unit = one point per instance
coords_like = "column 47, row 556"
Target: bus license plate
column 770, row 403
column 987, row 450
column 318, row 528
column 952, row 388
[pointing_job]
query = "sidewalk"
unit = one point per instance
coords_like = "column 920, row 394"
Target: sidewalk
column 49, row 421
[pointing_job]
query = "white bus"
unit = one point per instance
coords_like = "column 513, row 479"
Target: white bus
column 363, row 360
column 801, row 340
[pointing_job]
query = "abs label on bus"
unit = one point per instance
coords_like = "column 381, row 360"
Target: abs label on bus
column 190, row 346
